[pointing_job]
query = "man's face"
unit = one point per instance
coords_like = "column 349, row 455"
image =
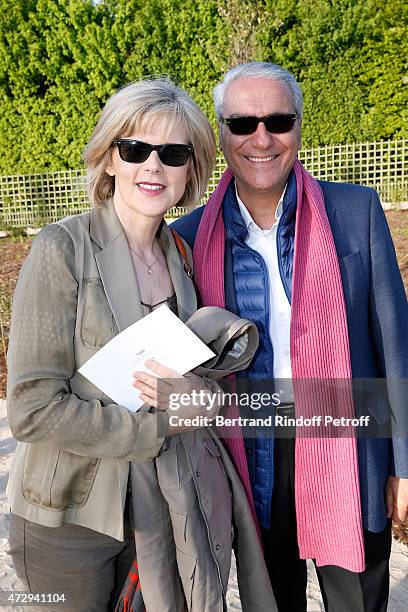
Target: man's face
column 261, row 162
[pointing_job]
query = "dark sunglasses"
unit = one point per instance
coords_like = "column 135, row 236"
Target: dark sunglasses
column 136, row 152
column 278, row 123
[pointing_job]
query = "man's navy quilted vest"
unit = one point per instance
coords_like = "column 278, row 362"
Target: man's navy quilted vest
column 249, row 297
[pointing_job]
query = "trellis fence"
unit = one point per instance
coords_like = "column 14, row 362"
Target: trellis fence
column 37, row 199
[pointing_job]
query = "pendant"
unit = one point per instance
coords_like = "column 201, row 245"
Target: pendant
column 149, row 271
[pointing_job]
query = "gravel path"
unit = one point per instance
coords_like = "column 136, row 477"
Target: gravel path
column 9, row 581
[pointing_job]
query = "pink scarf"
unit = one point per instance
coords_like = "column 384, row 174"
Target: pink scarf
column 326, row 476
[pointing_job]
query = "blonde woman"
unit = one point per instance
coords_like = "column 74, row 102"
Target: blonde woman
column 87, row 278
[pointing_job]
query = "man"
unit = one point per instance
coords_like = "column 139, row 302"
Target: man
column 313, row 265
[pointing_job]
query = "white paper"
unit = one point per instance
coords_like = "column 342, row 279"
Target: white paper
column 159, row 334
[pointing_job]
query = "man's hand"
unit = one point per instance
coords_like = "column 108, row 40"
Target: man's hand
column 397, row 498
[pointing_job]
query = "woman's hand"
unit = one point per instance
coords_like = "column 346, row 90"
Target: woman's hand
column 186, row 396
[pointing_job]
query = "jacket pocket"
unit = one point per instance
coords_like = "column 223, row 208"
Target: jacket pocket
column 179, row 524
column 97, row 326
column 212, row 463
column 187, row 568
column 355, row 281
column 57, row 479
column 173, row 468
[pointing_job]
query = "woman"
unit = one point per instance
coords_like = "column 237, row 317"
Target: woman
column 85, row 279
column 90, row 477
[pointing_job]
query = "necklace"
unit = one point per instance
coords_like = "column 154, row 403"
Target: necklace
column 148, row 266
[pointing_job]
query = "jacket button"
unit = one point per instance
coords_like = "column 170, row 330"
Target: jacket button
column 218, row 546
column 249, row 451
column 198, row 474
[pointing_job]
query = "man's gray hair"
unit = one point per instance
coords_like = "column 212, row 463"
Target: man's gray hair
column 264, row 70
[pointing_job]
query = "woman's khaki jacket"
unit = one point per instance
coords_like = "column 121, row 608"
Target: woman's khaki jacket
column 76, row 291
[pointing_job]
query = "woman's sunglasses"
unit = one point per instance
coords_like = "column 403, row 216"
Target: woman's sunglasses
column 275, row 124
column 136, row 152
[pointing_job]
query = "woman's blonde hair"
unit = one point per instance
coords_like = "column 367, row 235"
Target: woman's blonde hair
column 138, row 107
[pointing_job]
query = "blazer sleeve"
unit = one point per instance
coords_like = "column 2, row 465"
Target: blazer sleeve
column 41, row 361
column 389, row 317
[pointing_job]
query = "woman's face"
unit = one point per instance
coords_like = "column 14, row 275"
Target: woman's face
column 149, row 188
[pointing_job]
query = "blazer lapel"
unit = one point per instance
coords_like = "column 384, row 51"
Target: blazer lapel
column 330, row 207
column 115, row 266
column 182, row 283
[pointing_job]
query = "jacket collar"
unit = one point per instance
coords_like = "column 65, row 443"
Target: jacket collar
column 117, row 272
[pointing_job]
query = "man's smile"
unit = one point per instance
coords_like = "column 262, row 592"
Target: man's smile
column 261, row 159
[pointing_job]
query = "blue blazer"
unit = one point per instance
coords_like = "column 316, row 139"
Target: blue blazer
column 377, row 317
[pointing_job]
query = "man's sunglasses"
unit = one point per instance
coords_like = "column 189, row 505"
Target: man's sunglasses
column 275, row 124
column 136, row 152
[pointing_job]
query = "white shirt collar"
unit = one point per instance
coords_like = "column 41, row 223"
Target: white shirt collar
column 248, row 220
